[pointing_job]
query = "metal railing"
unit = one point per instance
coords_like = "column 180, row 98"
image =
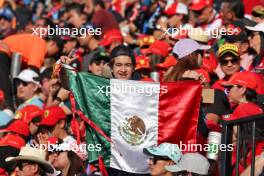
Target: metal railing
column 227, row 132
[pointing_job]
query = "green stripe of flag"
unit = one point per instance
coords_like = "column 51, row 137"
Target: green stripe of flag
column 86, row 89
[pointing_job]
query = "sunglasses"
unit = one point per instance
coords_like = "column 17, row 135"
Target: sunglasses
column 19, row 82
column 228, row 88
column 226, row 62
column 199, row 12
column 155, row 159
column 21, row 165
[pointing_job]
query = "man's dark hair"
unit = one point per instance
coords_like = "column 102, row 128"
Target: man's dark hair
column 78, row 8
column 237, row 7
column 99, row 2
column 48, row 22
column 47, row 73
column 57, row 40
column 122, row 50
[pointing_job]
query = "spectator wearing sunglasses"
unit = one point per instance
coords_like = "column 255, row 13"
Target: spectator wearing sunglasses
column 229, row 63
column 165, row 154
column 28, row 88
column 54, row 123
column 241, row 89
column 31, row 162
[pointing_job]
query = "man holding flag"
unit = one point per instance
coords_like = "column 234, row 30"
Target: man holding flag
column 126, row 116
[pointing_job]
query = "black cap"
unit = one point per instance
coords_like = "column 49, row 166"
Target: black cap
column 46, row 74
column 123, row 50
column 98, row 56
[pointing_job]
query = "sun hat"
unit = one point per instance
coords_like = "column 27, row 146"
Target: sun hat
column 28, row 153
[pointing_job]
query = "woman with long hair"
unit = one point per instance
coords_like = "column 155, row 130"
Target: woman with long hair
column 189, row 56
column 256, row 43
column 69, row 163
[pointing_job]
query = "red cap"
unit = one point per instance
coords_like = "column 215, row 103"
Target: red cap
column 12, row 140
column 210, row 63
column 17, row 126
column 2, row 95
column 169, row 61
column 246, row 79
column 111, row 36
column 52, row 115
column 28, row 113
column 142, row 62
column 160, row 48
column 200, row 4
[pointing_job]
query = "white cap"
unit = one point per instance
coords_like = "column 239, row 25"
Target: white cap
column 258, row 28
column 177, row 8
column 191, row 162
column 28, row 75
column 185, row 47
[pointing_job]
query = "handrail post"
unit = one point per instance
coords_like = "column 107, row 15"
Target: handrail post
column 225, row 156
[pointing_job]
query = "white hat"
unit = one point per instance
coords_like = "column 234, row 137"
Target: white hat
column 199, row 35
column 185, row 47
column 258, row 28
column 28, row 75
column 191, row 162
column 28, row 153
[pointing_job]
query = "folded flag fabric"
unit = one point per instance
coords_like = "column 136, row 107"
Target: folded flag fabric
column 135, row 115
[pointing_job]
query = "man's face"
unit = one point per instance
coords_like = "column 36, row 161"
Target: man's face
column 5, row 25
column 45, row 86
column 27, row 169
column 75, row 19
column 33, row 128
column 97, row 67
column 203, row 15
column 175, row 20
column 26, row 90
column 84, row 40
column 230, row 65
column 55, row 131
column 123, row 67
column 226, row 13
column 157, row 166
column 89, row 7
column 52, row 48
column 68, row 46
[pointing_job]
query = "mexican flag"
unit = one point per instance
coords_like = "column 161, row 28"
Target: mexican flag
column 135, row 115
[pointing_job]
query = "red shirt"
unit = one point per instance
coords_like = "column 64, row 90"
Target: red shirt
column 245, row 110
